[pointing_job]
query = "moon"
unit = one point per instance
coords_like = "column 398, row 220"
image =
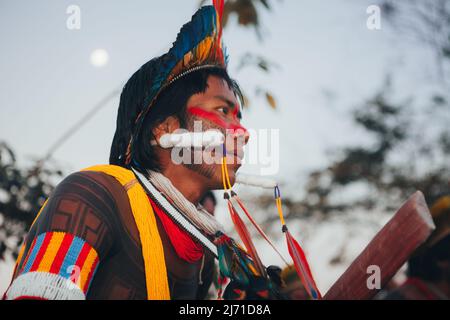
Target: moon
column 99, row 58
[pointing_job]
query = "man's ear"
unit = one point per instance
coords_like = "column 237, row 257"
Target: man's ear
column 169, row 125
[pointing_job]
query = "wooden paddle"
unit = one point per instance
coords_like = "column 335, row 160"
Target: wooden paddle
column 388, row 250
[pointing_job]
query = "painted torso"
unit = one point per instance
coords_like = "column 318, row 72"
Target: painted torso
column 95, row 208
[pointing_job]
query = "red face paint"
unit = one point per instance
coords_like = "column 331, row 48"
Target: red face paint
column 215, row 118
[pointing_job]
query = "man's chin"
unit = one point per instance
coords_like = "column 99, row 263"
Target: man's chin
column 213, row 174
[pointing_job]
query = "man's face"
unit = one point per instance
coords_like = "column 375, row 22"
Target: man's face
column 218, row 108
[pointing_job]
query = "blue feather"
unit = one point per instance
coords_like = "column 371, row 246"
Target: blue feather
column 202, row 25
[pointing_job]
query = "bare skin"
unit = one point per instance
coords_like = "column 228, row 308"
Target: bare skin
column 194, row 180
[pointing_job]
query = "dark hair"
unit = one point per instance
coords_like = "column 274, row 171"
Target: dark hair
column 170, row 102
column 425, row 265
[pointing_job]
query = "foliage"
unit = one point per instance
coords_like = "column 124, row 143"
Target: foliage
column 410, row 147
column 22, row 193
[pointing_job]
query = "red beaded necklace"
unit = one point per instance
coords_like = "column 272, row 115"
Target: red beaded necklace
column 185, row 247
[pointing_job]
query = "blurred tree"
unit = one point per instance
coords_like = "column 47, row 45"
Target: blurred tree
column 22, row 193
column 410, row 147
column 409, row 152
column 425, row 21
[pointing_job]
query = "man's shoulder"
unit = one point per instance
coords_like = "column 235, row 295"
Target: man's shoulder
column 96, row 176
column 101, row 188
column 89, row 192
column 93, row 199
column 91, row 180
column 85, row 205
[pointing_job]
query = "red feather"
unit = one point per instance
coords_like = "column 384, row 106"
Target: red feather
column 245, row 237
column 302, row 266
column 219, row 5
column 255, row 224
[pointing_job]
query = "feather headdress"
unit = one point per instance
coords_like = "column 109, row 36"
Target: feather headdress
column 197, row 46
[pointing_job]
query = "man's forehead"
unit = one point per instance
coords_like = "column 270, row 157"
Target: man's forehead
column 218, row 89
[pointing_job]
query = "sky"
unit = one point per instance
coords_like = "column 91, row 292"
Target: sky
column 328, row 63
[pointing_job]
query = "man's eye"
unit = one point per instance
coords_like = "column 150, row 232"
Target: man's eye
column 224, row 110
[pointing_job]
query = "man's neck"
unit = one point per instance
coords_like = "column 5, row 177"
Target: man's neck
column 188, row 182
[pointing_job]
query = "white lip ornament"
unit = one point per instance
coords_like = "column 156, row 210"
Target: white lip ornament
column 210, row 138
column 255, row 181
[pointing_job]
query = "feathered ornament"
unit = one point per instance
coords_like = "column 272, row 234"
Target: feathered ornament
column 245, row 281
column 244, row 234
column 197, row 46
column 239, row 225
column 262, row 284
column 297, row 254
column 235, row 197
column 233, row 262
column 295, row 250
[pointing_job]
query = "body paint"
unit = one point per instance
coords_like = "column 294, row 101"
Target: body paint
column 211, row 116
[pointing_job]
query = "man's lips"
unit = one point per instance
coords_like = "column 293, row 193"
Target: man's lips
column 238, row 154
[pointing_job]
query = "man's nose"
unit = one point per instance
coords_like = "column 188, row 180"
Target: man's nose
column 241, row 133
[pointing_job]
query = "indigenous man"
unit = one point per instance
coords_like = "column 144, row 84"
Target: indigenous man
column 429, row 269
column 115, row 231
